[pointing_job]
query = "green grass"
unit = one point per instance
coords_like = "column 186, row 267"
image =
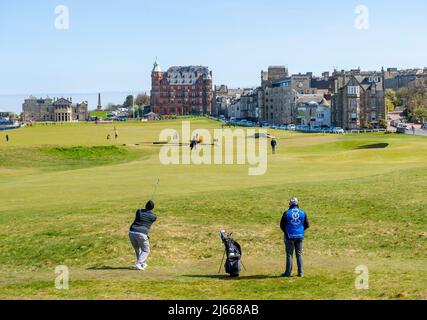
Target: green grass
column 67, row 196
column 100, row 114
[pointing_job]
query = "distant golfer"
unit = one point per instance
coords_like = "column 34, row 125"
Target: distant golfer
column 413, row 130
column 138, row 234
column 294, row 223
column 193, row 143
column 273, row 145
column 7, row 138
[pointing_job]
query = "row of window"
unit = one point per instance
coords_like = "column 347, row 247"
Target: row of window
column 353, row 117
column 193, row 102
column 173, row 110
column 166, row 88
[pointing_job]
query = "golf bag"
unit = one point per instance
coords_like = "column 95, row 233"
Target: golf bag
column 233, row 252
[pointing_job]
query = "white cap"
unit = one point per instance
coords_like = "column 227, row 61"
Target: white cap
column 294, row 201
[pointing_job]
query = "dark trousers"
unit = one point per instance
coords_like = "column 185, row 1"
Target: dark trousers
column 291, row 246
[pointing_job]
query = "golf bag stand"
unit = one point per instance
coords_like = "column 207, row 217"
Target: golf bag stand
column 233, row 254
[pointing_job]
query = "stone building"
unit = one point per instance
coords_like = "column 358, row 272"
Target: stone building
column 279, row 102
column 181, row 90
column 359, row 100
column 223, row 97
column 249, row 105
column 274, row 73
column 301, row 83
column 57, row 110
column 245, row 106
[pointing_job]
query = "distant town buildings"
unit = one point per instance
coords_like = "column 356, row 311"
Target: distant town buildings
column 181, row 90
column 57, row 110
column 279, row 93
column 353, row 99
column 223, row 98
column 396, row 79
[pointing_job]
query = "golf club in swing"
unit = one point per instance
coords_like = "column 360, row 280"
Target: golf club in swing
column 155, row 189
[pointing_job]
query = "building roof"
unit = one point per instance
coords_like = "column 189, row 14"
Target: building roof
column 320, row 83
column 187, row 75
column 312, row 99
column 156, row 67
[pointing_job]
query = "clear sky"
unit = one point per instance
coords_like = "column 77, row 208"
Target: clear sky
column 111, row 45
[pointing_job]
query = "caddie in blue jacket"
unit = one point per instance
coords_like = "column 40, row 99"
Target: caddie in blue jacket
column 294, row 223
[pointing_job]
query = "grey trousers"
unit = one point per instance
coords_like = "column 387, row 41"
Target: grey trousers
column 141, row 245
column 291, row 246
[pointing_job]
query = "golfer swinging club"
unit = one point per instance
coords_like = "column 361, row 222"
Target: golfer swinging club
column 138, row 234
column 294, row 223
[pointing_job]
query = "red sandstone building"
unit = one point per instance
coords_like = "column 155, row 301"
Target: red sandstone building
column 181, row 90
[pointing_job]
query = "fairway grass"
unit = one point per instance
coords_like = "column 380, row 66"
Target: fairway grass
column 68, row 196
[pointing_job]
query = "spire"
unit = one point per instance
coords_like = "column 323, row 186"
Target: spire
column 99, row 102
column 156, row 67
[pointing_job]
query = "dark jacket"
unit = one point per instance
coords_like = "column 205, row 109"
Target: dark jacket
column 284, row 221
column 143, row 221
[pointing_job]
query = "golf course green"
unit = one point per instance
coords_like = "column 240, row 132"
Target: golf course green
column 68, row 196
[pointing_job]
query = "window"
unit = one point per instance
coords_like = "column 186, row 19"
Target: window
column 353, row 117
column 352, row 104
column 353, row 90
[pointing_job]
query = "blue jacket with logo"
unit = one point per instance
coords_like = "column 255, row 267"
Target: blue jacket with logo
column 294, row 223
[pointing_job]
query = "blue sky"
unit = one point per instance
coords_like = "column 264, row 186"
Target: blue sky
column 111, row 45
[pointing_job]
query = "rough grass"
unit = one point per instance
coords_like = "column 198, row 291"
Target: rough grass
column 366, row 206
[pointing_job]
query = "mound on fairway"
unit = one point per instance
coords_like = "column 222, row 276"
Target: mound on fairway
column 68, row 196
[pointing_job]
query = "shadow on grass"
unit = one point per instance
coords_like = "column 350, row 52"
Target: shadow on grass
column 110, row 268
column 226, row 277
column 373, row 146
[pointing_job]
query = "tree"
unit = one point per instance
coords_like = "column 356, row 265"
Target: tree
column 142, row 100
column 112, row 107
column 403, row 95
column 420, row 113
column 391, row 100
column 128, row 102
column 383, row 124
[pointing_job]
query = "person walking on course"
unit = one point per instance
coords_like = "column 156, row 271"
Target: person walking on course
column 138, row 234
column 7, row 138
column 273, row 145
column 293, row 224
